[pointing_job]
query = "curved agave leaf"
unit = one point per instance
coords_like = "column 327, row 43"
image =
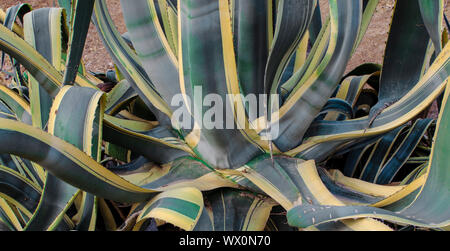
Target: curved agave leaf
column 80, row 21
column 432, row 14
column 432, row 194
column 18, row 105
column 183, row 172
column 352, row 86
column 89, row 140
column 316, row 25
column 234, row 210
column 293, row 19
column 86, row 217
column 169, row 23
column 293, row 182
column 11, row 15
column 24, row 167
column 158, row 144
column 34, row 62
column 303, row 104
column 15, row 27
column 401, row 69
column 53, row 200
column 314, row 198
column 67, row 162
column 379, row 154
column 79, row 124
column 19, row 191
column 387, row 173
column 251, row 42
column 50, row 212
column 120, row 96
column 335, row 133
column 49, row 43
column 213, row 71
column 314, row 58
column 8, row 216
column 44, row 73
column 181, row 207
column 152, row 47
column 128, row 62
column 6, row 112
column 85, row 120
column 369, row 7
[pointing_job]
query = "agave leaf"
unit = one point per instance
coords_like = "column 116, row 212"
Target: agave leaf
column 181, row 207
column 107, row 215
column 68, row 6
column 50, row 47
column 316, row 25
column 85, row 120
column 351, row 88
column 379, row 191
column 140, row 126
column 315, row 56
column 54, row 202
column 338, row 132
column 387, row 173
column 301, row 53
column 86, row 217
column 401, row 70
column 128, row 62
column 432, row 14
column 8, row 216
column 279, row 184
column 78, row 32
column 370, row 7
column 82, row 129
column 12, row 13
column 379, row 154
column 158, row 144
column 6, row 112
column 34, row 62
column 26, row 168
column 15, row 27
column 49, row 43
column 118, row 152
column 20, row 108
column 68, row 163
column 182, row 172
column 336, row 109
column 306, row 100
column 251, row 42
column 294, row 183
column 120, row 96
column 214, row 71
column 19, row 191
column 288, row 34
column 430, row 192
column 234, row 210
column 168, row 17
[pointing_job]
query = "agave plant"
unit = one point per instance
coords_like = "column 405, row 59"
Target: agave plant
column 352, row 151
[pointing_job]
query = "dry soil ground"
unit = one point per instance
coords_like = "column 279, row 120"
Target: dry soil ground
column 371, row 49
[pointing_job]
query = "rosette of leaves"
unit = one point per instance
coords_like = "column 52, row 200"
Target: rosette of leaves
column 353, row 150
